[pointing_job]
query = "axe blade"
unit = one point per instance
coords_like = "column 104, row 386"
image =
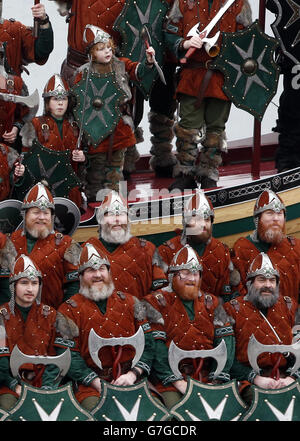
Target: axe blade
column 18, row 358
column 30, row 101
column 255, row 348
column 96, row 342
column 219, row 353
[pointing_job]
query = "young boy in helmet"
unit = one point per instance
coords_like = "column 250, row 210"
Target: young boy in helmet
column 29, row 324
column 107, row 125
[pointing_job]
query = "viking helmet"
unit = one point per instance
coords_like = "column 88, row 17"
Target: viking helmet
column 198, row 204
column 94, row 36
column 38, row 196
column 114, row 203
column 268, row 200
column 92, row 258
column 56, row 87
column 185, row 258
column 24, row 267
column 263, row 266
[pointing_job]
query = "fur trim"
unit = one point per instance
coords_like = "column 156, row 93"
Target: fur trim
column 157, row 260
column 152, row 314
column 235, row 277
column 12, row 156
column 7, row 255
column 66, row 327
column 221, row 318
column 28, row 134
column 175, row 14
column 139, row 310
column 245, row 16
column 72, row 254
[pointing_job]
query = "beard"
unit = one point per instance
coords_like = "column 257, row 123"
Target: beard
column 271, row 235
column 198, row 235
column 118, row 237
column 40, row 233
column 93, row 293
column 260, row 301
column 185, row 290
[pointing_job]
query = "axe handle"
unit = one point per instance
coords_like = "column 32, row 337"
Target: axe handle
column 35, row 31
column 190, row 52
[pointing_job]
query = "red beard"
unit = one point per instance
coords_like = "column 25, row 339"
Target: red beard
column 271, row 235
column 186, row 290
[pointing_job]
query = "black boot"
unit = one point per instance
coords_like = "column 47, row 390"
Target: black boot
column 183, row 182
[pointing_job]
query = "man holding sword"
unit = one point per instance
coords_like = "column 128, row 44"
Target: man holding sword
column 195, row 26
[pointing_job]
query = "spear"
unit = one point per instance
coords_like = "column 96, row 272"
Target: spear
column 36, row 22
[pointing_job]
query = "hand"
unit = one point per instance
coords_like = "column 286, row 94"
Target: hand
column 19, row 170
column 38, row 11
column 150, row 54
column 10, row 136
column 125, row 379
column 78, row 156
column 18, row 389
column 181, row 386
column 96, row 384
column 193, row 42
column 265, row 382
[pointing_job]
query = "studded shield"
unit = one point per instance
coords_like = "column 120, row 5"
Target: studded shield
column 99, row 106
column 250, row 74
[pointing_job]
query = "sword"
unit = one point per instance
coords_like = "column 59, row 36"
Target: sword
column 148, row 42
column 32, row 101
column 255, row 348
column 204, row 34
column 219, row 353
column 96, row 342
column 18, row 358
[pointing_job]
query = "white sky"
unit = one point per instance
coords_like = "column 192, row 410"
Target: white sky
column 240, row 124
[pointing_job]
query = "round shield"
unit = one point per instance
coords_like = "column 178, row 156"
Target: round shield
column 10, row 215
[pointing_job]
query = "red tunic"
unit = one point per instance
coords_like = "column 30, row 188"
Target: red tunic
column 215, row 261
column 11, row 112
column 33, row 337
column 50, row 259
column 20, row 44
column 131, row 266
column 286, row 256
column 248, row 321
column 191, row 78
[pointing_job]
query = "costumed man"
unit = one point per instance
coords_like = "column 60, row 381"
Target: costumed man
column 111, row 313
column 269, row 237
column 193, row 320
column 218, row 272
column 203, row 104
column 56, row 254
column 104, row 14
column 21, row 46
column 11, row 170
column 56, row 129
column 269, row 317
column 29, row 324
column 134, row 261
column 106, row 160
column 288, row 122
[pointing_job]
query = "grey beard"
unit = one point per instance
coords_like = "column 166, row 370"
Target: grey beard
column 96, row 294
column 117, row 237
column 260, row 302
column 34, row 232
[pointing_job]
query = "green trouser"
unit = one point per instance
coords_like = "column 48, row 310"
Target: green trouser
column 90, row 402
column 171, row 398
column 210, row 117
column 104, row 174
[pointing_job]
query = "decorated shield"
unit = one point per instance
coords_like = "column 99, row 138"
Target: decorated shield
column 37, row 404
column 275, row 404
column 250, row 73
column 10, row 215
column 45, row 164
column 128, row 403
column 97, row 109
column 135, row 15
column 286, row 27
column 205, row 402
